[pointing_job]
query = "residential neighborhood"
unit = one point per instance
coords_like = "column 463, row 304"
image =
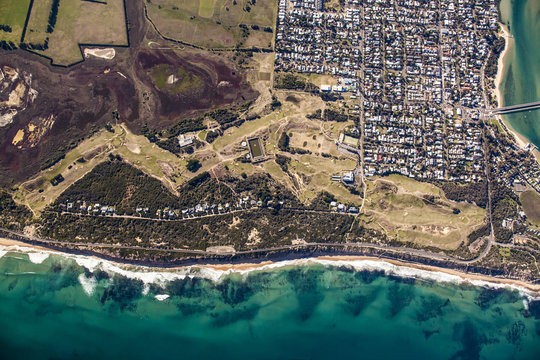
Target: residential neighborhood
column 416, row 69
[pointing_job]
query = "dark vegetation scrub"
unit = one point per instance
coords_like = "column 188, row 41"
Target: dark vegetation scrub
column 172, row 144
column 52, row 16
column 8, row 45
column 212, row 135
column 184, row 126
column 331, row 115
column 283, row 162
column 473, row 192
column 226, row 118
column 316, row 115
column 13, row 216
column 115, row 183
column 293, row 82
column 279, row 227
column 478, row 233
column 193, row 165
column 57, row 180
column 497, row 44
column 503, row 206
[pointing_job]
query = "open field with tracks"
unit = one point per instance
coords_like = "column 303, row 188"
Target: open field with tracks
column 416, row 212
column 215, row 23
column 77, row 22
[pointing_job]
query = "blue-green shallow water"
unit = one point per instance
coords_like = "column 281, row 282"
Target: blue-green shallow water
column 521, row 79
column 294, row 312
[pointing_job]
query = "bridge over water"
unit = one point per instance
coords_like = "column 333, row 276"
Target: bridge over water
column 516, row 108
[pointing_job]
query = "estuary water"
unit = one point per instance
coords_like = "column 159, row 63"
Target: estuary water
column 66, row 307
column 521, row 77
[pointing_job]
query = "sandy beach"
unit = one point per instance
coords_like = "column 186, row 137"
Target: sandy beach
column 462, row 275
column 9, row 242
column 474, row 279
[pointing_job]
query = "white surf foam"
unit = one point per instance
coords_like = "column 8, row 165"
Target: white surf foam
column 150, row 275
column 88, row 284
column 37, row 257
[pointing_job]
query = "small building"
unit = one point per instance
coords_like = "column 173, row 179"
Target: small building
column 348, row 177
column 185, row 140
column 326, row 88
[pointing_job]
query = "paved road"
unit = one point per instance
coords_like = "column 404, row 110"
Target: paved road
column 394, row 249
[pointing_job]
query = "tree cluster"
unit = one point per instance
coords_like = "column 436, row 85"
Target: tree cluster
column 52, row 16
column 472, row 193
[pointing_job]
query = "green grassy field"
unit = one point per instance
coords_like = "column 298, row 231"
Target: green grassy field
column 13, row 14
column 36, row 31
column 255, row 147
column 214, row 23
column 396, row 204
column 78, row 22
column 182, row 81
column 531, row 205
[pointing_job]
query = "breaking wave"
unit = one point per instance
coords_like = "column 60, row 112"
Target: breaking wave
column 153, row 275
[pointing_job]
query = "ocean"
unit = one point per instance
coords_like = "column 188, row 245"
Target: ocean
column 55, row 306
column 521, row 78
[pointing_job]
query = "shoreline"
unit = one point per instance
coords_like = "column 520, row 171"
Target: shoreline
column 520, row 140
column 402, row 268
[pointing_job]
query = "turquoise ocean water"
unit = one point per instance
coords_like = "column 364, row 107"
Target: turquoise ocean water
column 521, row 78
column 55, row 308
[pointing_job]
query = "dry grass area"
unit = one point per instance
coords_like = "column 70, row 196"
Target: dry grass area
column 397, row 205
column 531, row 205
column 214, row 23
column 38, row 192
column 308, row 174
column 259, row 75
column 36, row 31
column 78, row 22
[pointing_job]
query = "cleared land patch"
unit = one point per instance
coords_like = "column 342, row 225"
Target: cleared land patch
column 107, row 53
column 215, row 23
column 531, row 205
column 77, row 22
